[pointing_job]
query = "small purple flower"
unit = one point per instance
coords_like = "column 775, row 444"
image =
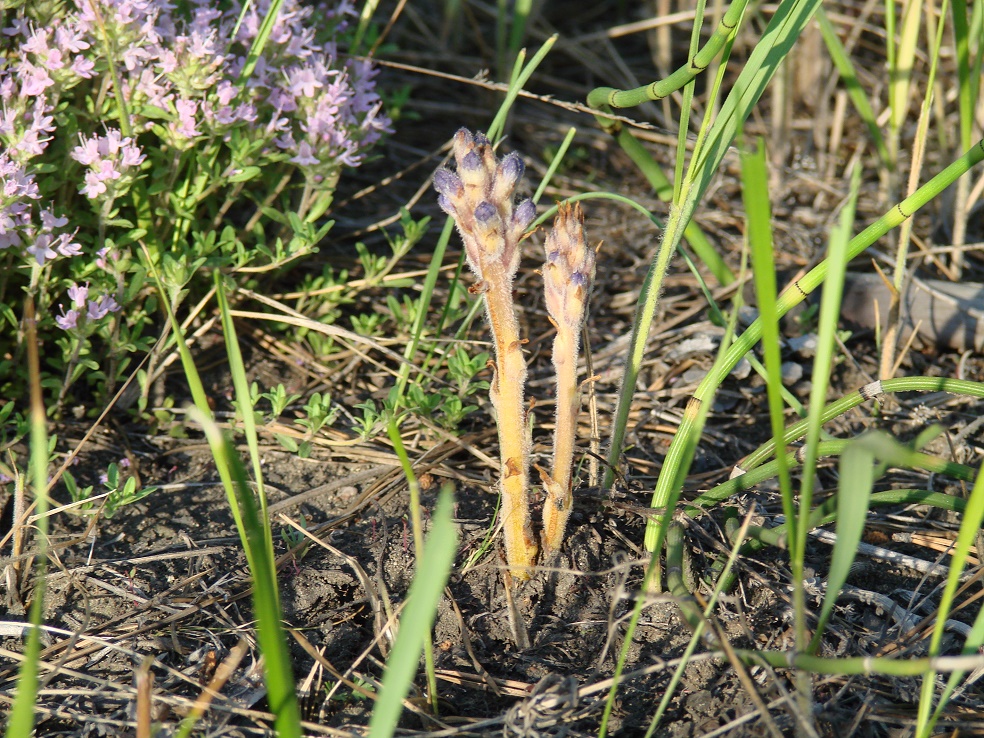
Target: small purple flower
column 102, row 307
column 110, row 143
column 70, row 39
column 524, row 213
column 124, row 463
column 226, row 92
column 131, row 155
column 67, row 321
column 83, row 67
column 41, row 249
column 79, row 294
column 87, row 152
column 512, row 168
column 303, row 82
column 109, row 158
column 50, row 221
column 107, row 170
column 446, row 205
column 35, row 80
column 184, row 126
column 448, row 183
column 66, row 246
column 472, row 162
column 93, row 186
column 305, row 155
column 485, row 212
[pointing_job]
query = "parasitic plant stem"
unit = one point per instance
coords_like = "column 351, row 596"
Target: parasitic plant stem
column 479, row 196
column 567, row 274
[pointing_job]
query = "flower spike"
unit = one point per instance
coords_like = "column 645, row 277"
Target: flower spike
column 479, row 196
column 567, row 274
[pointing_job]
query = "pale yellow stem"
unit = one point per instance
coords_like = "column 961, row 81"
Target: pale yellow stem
column 514, row 444
column 557, row 506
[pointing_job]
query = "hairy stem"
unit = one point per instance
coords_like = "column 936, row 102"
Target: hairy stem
column 557, row 507
column 514, row 442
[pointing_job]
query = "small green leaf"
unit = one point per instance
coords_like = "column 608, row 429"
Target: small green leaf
column 287, row 442
column 246, row 174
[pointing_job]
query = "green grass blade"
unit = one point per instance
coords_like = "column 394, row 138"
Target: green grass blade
column 968, row 64
column 20, row 721
column 499, row 122
column 277, row 672
column 417, row 523
column 820, row 379
column 683, row 124
column 758, row 215
column 794, row 294
column 260, row 42
column 418, row 618
column 972, row 646
column 522, row 9
column 780, row 34
column 243, row 402
column 554, row 163
column 197, row 390
column 365, row 18
column 900, row 70
column 823, row 361
column 970, row 526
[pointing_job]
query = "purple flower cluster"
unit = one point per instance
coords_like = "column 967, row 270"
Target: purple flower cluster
column 112, row 161
column 479, row 196
column 84, row 308
column 321, row 111
column 19, row 199
column 183, row 81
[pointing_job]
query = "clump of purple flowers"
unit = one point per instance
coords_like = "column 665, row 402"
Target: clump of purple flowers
column 112, row 162
column 84, row 308
column 123, row 118
column 179, row 79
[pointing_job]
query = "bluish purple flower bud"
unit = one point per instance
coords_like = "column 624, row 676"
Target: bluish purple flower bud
column 485, row 212
column 445, row 204
column 481, row 139
column 512, row 168
column 471, row 162
column 580, row 279
column 448, row 183
column 523, row 214
column 464, row 137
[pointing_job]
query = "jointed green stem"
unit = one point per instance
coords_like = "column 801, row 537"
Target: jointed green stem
column 868, row 392
column 608, row 98
column 826, row 448
column 667, row 488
